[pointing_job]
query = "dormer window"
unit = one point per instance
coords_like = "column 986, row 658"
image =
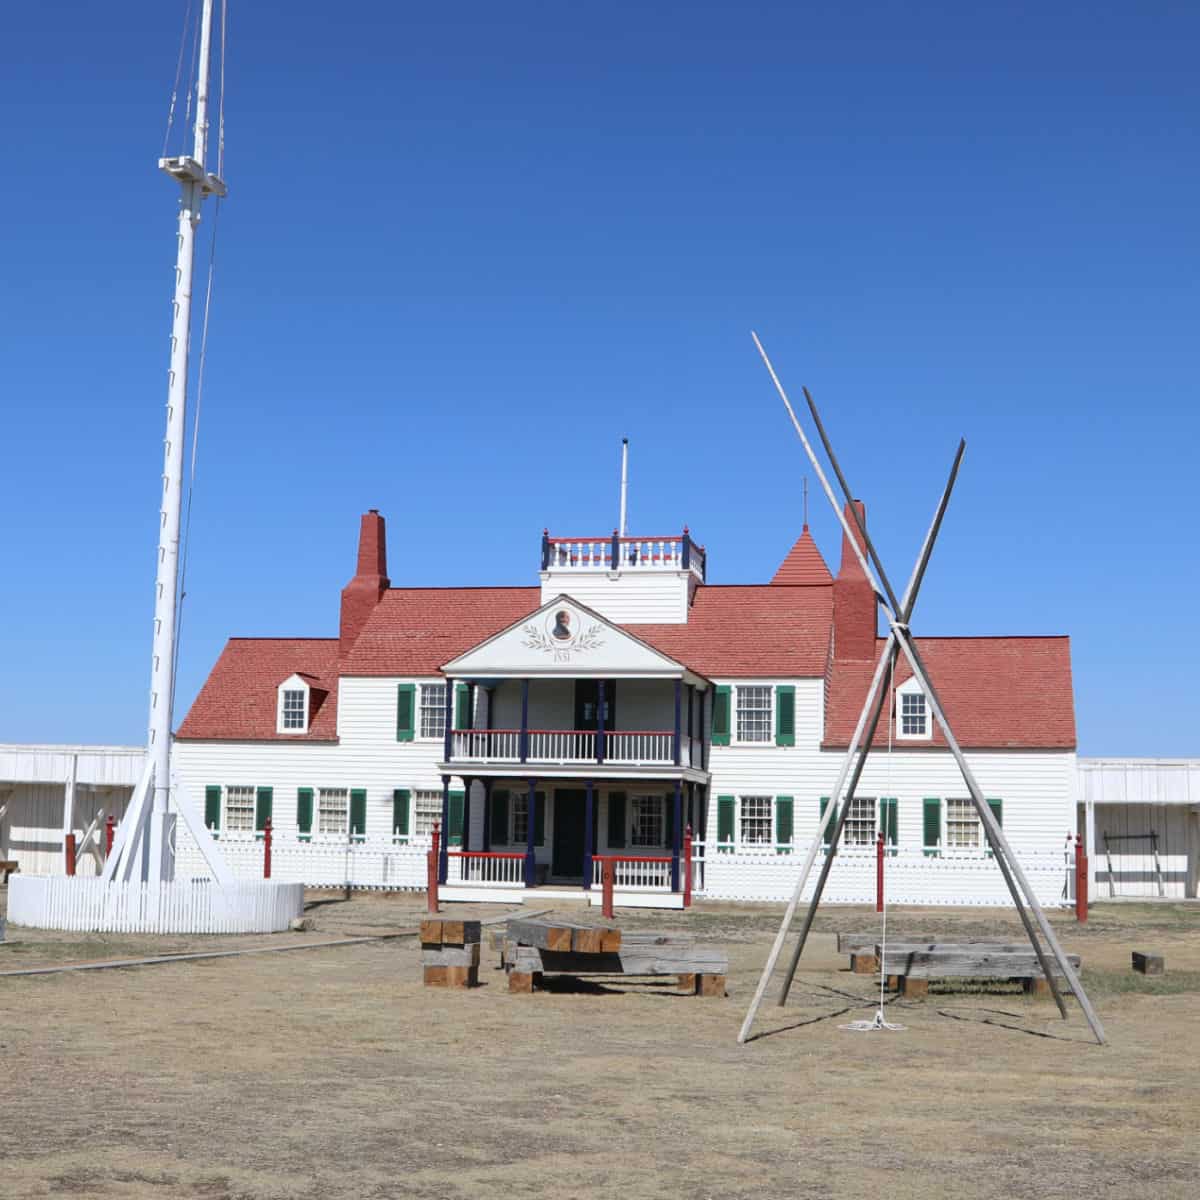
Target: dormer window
column 293, row 705
column 912, row 714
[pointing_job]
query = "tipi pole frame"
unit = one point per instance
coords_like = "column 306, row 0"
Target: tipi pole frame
column 1004, row 861
column 914, row 585
column 995, row 835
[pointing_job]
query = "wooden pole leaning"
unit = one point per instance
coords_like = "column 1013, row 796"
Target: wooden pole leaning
column 1010, row 868
column 1005, row 861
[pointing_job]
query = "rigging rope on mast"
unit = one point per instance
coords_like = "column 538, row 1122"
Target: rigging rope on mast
column 178, row 71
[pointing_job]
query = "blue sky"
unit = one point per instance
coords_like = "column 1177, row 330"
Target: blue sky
column 468, row 248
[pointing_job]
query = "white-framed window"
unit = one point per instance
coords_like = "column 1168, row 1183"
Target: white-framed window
column 333, row 810
column 291, row 706
column 912, row 712
column 754, row 705
column 239, row 809
column 519, row 805
column 647, row 826
column 963, row 828
column 755, row 820
column 427, row 808
column 860, row 822
column 433, row 710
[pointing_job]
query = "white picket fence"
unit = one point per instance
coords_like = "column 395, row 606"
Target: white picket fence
column 635, row 876
column 185, row 906
column 318, row 861
column 910, row 876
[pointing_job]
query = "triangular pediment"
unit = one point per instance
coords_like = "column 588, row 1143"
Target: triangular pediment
column 563, row 637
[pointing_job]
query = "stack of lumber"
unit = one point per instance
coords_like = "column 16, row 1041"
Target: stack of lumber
column 534, row 948
column 861, row 948
column 450, row 952
column 910, row 965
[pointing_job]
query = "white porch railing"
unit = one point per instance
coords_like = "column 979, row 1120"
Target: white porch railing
column 644, row 746
column 562, row 745
column 487, row 745
column 639, row 746
column 485, row 869
column 635, row 873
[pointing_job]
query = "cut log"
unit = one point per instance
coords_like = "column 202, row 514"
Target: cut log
column 863, row 962
column 913, row 987
column 437, row 931
column 967, row 964
column 452, row 977
column 687, row 983
column 521, row 982
column 710, row 985
column 540, row 934
column 1147, row 963
column 849, row 943
column 450, row 956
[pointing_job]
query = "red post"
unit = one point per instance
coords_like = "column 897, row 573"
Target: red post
column 607, row 875
column 879, row 872
column 69, row 849
column 1081, row 882
column 267, row 848
column 110, row 826
column 432, row 886
column 687, row 867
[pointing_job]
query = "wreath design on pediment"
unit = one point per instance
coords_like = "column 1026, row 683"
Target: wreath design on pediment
column 536, row 639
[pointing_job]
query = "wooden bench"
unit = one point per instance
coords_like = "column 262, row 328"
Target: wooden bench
column 910, row 966
column 700, row 970
column 8, row 866
column 861, row 948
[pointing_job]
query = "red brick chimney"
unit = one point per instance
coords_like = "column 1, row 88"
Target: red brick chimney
column 370, row 581
column 854, row 619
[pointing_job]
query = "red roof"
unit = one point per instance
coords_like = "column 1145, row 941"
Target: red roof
column 803, row 564
column 413, row 631
column 998, row 692
column 238, row 700
column 749, row 630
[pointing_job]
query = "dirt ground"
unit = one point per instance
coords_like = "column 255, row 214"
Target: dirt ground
column 332, row 1073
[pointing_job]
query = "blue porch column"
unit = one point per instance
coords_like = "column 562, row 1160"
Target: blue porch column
column 466, row 834
column 676, row 836
column 678, row 707
column 444, row 851
column 691, row 721
column 524, row 744
column 588, row 848
column 530, row 859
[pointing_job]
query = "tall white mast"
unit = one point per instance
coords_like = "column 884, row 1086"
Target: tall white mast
column 624, row 481
column 195, row 184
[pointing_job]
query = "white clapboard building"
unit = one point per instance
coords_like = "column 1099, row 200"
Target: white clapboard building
column 604, row 712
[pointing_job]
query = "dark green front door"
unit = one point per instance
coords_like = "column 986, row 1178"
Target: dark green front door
column 568, row 833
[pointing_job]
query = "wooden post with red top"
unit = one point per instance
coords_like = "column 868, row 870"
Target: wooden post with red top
column 267, row 848
column 607, row 875
column 687, row 867
column 69, row 850
column 879, row 872
column 432, row 885
column 110, row 826
column 1080, row 881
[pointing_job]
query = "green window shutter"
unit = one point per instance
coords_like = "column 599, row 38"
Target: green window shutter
column 264, row 801
column 358, row 813
column 931, row 825
column 406, row 706
column 616, row 820
column 304, row 811
column 785, row 716
column 725, row 823
column 462, row 706
column 720, row 716
column 888, row 820
column 212, row 806
column 539, row 819
column 833, row 820
column 458, row 802
column 783, row 824
column 500, row 817
column 997, row 807
column 400, row 806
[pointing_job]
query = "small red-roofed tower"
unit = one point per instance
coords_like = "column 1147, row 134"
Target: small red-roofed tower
column 370, row 581
column 803, row 565
column 854, row 619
